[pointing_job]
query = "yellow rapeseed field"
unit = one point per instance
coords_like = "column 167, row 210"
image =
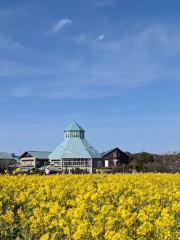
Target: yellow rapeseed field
column 92, row 206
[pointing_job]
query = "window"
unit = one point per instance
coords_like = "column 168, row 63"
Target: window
column 67, row 134
column 94, row 163
column 75, row 134
column 99, row 163
column 114, row 154
column 58, row 163
column 87, row 163
column 28, row 163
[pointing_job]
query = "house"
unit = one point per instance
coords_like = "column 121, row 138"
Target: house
column 5, row 160
column 114, row 158
column 75, row 151
column 34, row 159
column 15, row 163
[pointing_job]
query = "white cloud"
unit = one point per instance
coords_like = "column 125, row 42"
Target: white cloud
column 99, row 38
column 83, row 37
column 101, row 3
column 8, row 43
column 131, row 61
column 23, row 91
column 60, row 25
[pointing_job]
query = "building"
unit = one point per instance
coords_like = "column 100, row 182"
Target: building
column 34, row 159
column 75, row 152
column 114, row 158
column 5, row 160
column 15, row 163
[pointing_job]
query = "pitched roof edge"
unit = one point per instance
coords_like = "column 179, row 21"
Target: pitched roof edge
column 86, row 148
column 109, row 151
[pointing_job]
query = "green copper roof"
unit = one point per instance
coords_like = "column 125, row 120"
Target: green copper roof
column 74, row 127
column 74, row 148
column 37, row 154
column 16, row 159
column 51, row 168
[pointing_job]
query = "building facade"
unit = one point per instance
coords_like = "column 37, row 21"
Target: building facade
column 114, row 158
column 75, row 152
column 34, row 159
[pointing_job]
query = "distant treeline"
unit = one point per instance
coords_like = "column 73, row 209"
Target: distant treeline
column 147, row 162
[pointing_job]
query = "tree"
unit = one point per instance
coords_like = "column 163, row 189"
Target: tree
column 140, row 160
column 4, row 163
column 165, row 162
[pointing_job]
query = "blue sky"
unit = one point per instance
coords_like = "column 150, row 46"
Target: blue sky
column 111, row 65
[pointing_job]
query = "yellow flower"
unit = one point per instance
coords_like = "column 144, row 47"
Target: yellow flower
column 91, row 206
column 18, row 170
column 66, row 230
column 45, row 237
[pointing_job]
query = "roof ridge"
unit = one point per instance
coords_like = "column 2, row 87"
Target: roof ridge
column 85, row 146
column 37, row 151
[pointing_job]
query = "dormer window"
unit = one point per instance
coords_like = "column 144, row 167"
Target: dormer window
column 82, row 135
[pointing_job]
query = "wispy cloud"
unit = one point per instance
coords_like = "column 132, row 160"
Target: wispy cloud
column 83, row 37
column 158, row 36
column 76, row 92
column 101, row 3
column 60, row 25
column 8, row 43
column 17, row 69
column 23, row 91
column 101, row 70
column 99, row 38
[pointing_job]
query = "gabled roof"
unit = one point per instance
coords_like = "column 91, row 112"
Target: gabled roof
column 5, row 155
column 74, row 127
column 108, row 151
column 113, row 149
column 16, row 159
column 37, row 154
column 74, row 148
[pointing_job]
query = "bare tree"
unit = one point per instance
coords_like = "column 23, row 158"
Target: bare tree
column 165, row 162
column 4, row 163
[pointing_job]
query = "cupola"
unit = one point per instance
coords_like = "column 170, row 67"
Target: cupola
column 74, row 131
